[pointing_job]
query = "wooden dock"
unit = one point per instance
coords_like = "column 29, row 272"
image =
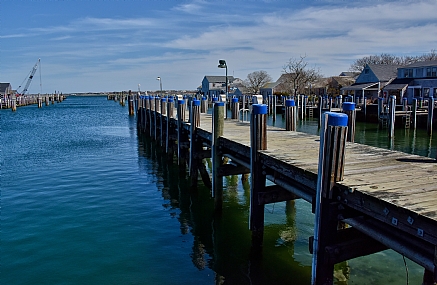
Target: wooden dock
column 386, row 199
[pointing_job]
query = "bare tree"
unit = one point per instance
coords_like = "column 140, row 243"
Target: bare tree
column 299, row 75
column 385, row 58
column 256, row 80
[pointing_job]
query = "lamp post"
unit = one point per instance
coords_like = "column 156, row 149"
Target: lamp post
column 160, row 84
column 222, row 64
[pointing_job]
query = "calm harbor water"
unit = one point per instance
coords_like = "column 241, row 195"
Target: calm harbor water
column 86, row 200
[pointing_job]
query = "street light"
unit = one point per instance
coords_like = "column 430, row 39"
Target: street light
column 222, row 64
column 160, row 84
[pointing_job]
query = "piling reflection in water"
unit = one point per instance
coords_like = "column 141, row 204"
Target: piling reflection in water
column 222, row 242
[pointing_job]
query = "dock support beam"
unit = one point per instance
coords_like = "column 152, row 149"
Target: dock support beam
column 131, row 103
column 235, row 106
column 392, row 116
column 170, row 115
column 181, row 119
column 258, row 141
column 414, row 113
column 331, row 168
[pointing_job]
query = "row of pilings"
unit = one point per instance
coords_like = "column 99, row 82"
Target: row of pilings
column 177, row 134
column 14, row 101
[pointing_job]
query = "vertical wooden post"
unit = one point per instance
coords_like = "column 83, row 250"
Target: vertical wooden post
column 170, row 114
column 181, row 119
column 151, row 106
column 430, row 114
column 217, row 132
column 204, row 105
column 194, row 145
column 320, row 107
column 156, row 116
column 349, row 110
column 235, row 106
column 420, row 102
column 404, row 104
column 290, row 115
column 161, row 121
column 331, row 168
column 414, row 113
column 258, row 141
column 274, row 108
column 392, row 116
column 14, row 103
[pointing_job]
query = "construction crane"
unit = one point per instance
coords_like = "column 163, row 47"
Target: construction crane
column 29, row 79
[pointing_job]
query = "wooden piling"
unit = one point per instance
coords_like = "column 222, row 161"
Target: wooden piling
column 181, row 119
column 392, row 116
column 156, row 117
column 235, row 106
column 290, row 115
column 195, row 145
column 217, row 132
column 414, row 111
column 349, row 110
column 320, row 108
column 331, row 167
column 162, row 117
column 258, row 141
column 430, row 114
column 170, row 115
column 204, row 105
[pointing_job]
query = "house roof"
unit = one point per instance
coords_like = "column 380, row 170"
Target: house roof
column 365, row 86
column 344, row 80
column 4, row 86
column 398, row 83
column 349, row 73
column 384, row 72
column 422, row 64
column 213, row 79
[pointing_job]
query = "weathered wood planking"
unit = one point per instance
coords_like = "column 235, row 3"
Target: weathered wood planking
column 404, row 182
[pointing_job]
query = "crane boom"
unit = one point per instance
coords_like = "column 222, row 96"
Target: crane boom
column 32, row 73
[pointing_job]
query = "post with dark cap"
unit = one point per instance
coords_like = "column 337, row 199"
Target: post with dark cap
column 170, row 115
column 290, row 115
column 195, row 145
column 156, row 115
column 151, row 115
column 181, row 119
column 217, row 132
column 331, row 168
column 258, row 141
column 349, row 110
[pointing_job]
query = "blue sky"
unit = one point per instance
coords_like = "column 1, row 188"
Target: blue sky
column 93, row 46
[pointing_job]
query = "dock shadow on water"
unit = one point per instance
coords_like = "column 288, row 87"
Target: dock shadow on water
column 222, row 241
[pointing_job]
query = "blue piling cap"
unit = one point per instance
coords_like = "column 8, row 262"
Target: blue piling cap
column 337, row 119
column 204, row 98
column 185, row 96
column 414, row 99
column 348, row 106
column 182, row 102
column 405, row 99
column 147, row 97
column 157, row 97
column 163, row 99
column 380, row 98
column 214, row 99
column 219, row 104
column 234, row 100
column 290, row 103
column 196, row 102
column 305, row 96
column 259, row 109
column 170, row 100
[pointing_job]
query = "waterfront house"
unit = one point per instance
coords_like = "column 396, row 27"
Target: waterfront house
column 215, row 85
column 371, row 80
column 415, row 80
column 5, row 89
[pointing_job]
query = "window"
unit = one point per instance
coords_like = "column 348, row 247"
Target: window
column 435, row 93
column 426, row 92
column 434, row 72
column 419, row 72
column 408, row 72
column 428, row 72
column 366, row 71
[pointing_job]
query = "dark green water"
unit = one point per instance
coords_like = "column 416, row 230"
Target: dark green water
column 86, row 200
